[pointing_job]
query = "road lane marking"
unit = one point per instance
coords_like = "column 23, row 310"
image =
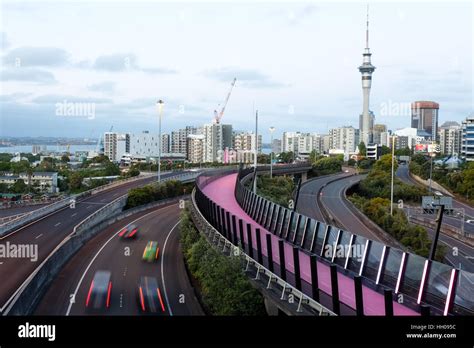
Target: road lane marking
column 73, row 214
column 121, row 300
column 100, row 250
column 162, row 266
column 125, row 272
column 59, row 223
column 39, row 235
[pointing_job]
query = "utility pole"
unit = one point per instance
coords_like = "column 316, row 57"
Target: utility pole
column 272, row 129
column 160, row 104
column 256, row 151
column 439, row 220
column 393, row 165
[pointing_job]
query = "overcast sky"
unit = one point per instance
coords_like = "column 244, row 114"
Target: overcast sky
column 296, row 61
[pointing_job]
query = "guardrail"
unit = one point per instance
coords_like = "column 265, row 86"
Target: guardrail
column 26, row 297
column 313, row 236
column 303, row 304
column 25, row 218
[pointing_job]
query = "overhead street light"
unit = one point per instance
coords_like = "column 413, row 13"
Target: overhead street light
column 159, row 104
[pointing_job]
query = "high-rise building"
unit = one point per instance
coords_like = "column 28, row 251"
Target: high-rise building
column 195, row 148
column 217, row 137
column 165, row 143
column 378, row 130
column 115, row 145
column 325, row 143
column 366, row 119
column 245, row 141
column 179, row 139
column 450, row 135
column 344, row 138
column 467, row 142
column 301, row 144
column 144, row 144
column 424, row 117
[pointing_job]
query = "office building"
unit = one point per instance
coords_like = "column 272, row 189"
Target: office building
column 450, row 135
column 344, row 138
column 424, row 117
column 217, row 137
column 467, row 141
column 115, row 145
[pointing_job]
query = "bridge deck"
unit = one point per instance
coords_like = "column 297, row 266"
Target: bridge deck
column 221, row 191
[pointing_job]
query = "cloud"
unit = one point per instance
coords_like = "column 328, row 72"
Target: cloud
column 106, row 86
column 27, row 75
column 52, row 99
column 4, row 43
column 245, row 77
column 125, row 62
column 13, row 97
column 116, row 62
column 36, row 57
column 158, row 71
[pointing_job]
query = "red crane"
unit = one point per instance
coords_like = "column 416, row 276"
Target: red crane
column 218, row 115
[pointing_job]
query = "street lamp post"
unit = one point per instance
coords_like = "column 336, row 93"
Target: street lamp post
column 271, row 129
column 431, row 170
column 393, row 165
column 160, row 104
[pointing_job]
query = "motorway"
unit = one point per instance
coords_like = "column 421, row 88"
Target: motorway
column 333, row 200
column 403, row 174
column 107, row 251
column 48, row 232
column 331, row 196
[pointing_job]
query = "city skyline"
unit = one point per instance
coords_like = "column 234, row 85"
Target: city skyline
column 311, row 96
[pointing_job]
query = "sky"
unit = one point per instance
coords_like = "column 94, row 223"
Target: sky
column 296, row 62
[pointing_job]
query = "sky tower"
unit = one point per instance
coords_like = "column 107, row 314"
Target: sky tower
column 366, row 119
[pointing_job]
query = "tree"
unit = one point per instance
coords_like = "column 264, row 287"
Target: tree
column 362, row 149
column 385, row 150
column 403, row 152
column 287, row 157
column 313, row 157
column 19, row 186
column 385, row 164
column 75, row 181
column 65, row 158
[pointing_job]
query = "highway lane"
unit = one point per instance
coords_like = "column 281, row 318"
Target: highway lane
column 49, row 231
column 404, row 174
column 307, row 202
column 107, row 251
column 332, row 197
column 20, row 210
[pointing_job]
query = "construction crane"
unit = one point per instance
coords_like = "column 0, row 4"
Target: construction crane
column 218, row 115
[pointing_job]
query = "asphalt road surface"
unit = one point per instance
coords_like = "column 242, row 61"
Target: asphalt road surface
column 46, row 233
column 107, row 251
column 307, row 202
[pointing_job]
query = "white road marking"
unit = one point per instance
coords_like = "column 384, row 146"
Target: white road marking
column 162, row 273
column 39, row 235
column 100, row 250
column 73, row 214
column 1, row 263
column 121, row 300
column 89, row 206
column 125, row 272
column 59, row 223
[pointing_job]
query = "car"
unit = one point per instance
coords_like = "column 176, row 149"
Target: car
column 100, row 291
column 149, row 296
column 129, row 232
column 151, row 251
column 470, row 222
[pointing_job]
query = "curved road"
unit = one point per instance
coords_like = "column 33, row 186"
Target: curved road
column 46, row 233
column 107, row 251
column 331, row 196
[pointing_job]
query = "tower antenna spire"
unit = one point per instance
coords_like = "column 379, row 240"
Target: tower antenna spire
column 367, row 30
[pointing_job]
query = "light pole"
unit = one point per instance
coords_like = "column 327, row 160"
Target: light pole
column 431, row 169
column 271, row 129
column 256, row 153
column 393, row 165
column 160, row 104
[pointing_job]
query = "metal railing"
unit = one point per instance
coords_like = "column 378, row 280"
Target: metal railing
column 223, row 244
